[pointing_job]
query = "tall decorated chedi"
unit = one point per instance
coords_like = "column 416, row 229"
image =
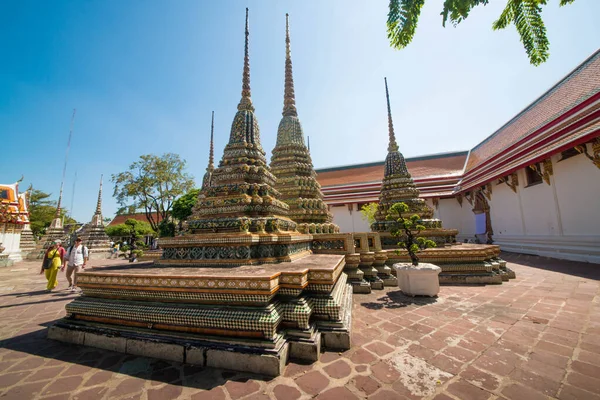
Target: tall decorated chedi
column 240, row 197
column 94, row 235
column 207, row 180
column 398, row 186
column 292, row 165
column 55, row 231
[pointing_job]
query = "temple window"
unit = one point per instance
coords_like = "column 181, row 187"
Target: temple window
column 3, row 194
column 568, row 154
column 533, row 176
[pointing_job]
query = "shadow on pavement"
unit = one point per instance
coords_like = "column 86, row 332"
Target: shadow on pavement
column 574, row 268
column 397, row 299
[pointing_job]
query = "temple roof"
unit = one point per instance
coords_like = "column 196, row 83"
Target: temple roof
column 13, row 205
column 435, row 165
column 574, row 89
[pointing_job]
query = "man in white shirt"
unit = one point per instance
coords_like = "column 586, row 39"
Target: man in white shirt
column 75, row 261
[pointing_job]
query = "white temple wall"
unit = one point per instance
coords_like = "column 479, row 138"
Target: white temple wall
column 10, row 237
column 560, row 220
column 349, row 221
column 454, row 216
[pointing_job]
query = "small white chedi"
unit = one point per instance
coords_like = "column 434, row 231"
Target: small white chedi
column 420, row 280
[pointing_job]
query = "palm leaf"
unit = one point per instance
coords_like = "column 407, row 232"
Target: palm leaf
column 458, row 10
column 402, row 21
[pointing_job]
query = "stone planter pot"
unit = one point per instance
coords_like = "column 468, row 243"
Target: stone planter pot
column 418, row 281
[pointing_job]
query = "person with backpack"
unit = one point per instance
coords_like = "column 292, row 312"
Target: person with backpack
column 53, row 259
column 76, row 259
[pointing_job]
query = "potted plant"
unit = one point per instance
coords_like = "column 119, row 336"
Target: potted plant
column 414, row 278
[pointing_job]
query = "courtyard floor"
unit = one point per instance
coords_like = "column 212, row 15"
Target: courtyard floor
column 535, row 337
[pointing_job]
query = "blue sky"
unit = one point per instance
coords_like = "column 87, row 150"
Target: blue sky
column 144, row 77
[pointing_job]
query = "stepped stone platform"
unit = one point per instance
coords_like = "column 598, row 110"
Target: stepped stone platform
column 248, row 318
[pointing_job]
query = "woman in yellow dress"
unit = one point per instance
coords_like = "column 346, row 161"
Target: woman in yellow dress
column 54, row 257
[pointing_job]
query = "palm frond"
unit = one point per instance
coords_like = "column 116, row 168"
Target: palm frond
column 527, row 17
column 458, row 10
column 402, row 21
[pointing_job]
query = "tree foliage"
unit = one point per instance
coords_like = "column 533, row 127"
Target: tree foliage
column 368, row 212
column 42, row 211
column 408, row 229
column 526, row 15
column 151, row 184
column 141, row 228
column 182, row 207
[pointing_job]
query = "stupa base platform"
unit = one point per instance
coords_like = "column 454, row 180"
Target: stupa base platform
column 463, row 263
column 245, row 318
column 267, row 358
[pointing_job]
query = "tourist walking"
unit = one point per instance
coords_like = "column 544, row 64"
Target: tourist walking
column 53, row 259
column 76, row 259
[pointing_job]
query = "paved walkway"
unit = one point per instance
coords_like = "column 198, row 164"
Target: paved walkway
column 535, row 337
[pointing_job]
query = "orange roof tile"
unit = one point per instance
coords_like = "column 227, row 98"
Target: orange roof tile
column 574, row 89
column 448, row 164
column 120, row 219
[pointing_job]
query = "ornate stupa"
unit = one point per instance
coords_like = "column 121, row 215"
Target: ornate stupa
column 27, row 242
column 398, row 186
column 94, row 234
column 207, row 180
column 292, row 165
column 53, row 232
column 242, row 198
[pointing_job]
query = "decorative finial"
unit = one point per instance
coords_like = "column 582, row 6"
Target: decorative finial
column 289, row 98
column 57, row 214
column 246, row 102
column 393, row 146
column 211, row 155
column 99, row 203
column 308, row 140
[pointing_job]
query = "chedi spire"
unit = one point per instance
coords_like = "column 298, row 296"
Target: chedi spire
column 291, row 163
column 207, row 180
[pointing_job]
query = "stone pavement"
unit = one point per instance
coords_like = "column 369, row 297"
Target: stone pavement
column 535, row 337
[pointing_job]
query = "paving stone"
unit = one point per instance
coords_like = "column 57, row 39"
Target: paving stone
column 7, row 380
column 94, row 393
column 166, row 392
column 337, row 370
column 362, row 356
column 366, row 384
column 555, row 348
column 293, row 369
column 542, row 384
column 519, row 392
column 568, row 392
column 584, row 382
column 312, row 382
column 285, row 392
column 419, row 351
column 216, row 393
column 459, row 353
column 338, row 393
column 384, row 372
column 127, row 386
column 24, row 391
column 465, row 390
column 98, row 378
column 385, row 394
column 62, row 385
column 379, row 348
column 480, row 378
column 446, row 364
column 241, row 388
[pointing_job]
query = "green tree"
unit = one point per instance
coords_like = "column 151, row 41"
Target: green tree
column 526, row 15
column 368, row 212
column 142, row 228
column 42, row 211
column 182, row 207
column 408, row 229
column 152, row 183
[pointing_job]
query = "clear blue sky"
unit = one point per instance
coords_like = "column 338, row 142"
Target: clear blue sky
column 144, row 77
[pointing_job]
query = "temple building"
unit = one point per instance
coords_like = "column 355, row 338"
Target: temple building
column 531, row 187
column 14, row 220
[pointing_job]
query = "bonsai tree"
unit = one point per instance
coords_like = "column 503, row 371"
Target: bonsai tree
column 408, row 230
column 368, row 212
